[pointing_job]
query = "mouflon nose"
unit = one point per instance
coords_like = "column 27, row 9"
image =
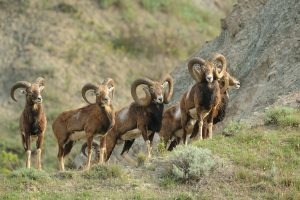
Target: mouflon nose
column 106, row 99
column 209, row 78
column 160, row 98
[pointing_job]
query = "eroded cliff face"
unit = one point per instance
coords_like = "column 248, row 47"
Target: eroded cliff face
column 261, row 41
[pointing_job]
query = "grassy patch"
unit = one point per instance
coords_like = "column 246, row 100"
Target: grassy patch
column 266, row 159
column 64, row 175
column 184, row 196
column 103, row 172
column 30, row 174
column 66, row 8
column 283, row 116
column 233, row 128
column 9, row 161
column 168, row 180
column 108, row 3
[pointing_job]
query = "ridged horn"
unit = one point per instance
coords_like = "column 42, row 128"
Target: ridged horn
column 168, row 94
column 85, row 88
column 191, row 67
column 223, row 61
column 19, row 84
column 147, row 100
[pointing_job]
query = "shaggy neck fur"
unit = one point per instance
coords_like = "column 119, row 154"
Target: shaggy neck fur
column 33, row 111
column 208, row 94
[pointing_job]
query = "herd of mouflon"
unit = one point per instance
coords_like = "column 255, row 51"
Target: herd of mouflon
column 201, row 106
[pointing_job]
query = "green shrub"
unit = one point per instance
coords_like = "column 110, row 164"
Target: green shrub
column 168, row 180
column 161, row 147
column 103, row 172
column 141, row 159
column 233, row 128
column 282, row 116
column 137, row 196
column 30, row 174
column 184, row 196
column 156, row 5
column 66, row 8
column 64, row 175
column 122, row 4
column 107, row 3
column 8, row 161
column 190, row 162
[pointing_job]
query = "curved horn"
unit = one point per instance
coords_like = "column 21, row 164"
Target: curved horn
column 168, row 95
column 222, row 59
column 85, row 88
column 226, row 84
column 19, row 84
column 191, row 66
column 135, row 84
column 40, row 81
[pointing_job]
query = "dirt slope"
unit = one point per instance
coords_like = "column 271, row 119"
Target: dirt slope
column 260, row 39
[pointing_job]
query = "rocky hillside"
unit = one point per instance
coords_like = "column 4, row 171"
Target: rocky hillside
column 260, row 39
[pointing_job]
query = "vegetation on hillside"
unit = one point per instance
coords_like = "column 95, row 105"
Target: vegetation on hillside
column 73, row 42
column 256, row 162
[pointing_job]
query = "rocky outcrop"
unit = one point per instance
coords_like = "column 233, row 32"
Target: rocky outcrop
column 261, row 40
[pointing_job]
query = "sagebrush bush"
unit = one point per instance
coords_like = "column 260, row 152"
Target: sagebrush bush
column 282, row 116
column 30, row 174
column 103, row 172
column 141, row 159
column 161, row 147
column 190, row 162
column 64, row 175
column 168, row 180
column 108, row 3
column 184, row 196
column 8, row 161
column 233, row 128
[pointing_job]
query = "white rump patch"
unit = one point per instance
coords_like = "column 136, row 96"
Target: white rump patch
column 123, row 114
